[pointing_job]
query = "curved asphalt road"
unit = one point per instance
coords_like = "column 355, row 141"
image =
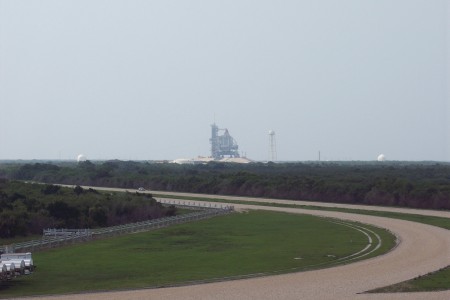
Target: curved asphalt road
column 422, row 249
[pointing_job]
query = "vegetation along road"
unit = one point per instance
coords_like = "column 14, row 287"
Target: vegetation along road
column 422, row 249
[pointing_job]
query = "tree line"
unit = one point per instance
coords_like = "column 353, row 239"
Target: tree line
column 27, row 209
column 404, row 184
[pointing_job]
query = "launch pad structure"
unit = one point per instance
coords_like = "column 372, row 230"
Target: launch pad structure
column 222, row 145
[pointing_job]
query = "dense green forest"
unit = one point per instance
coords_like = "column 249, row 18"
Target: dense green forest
column 406, row 184
column 27, row 208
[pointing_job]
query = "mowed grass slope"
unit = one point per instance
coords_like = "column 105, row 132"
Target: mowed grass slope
column 434, row 281
column 227, row 246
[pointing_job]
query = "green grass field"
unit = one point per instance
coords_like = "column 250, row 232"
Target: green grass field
column 435, row 281
column 226, row 247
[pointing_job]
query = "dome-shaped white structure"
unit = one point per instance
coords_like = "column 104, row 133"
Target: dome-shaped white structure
column 381, row 157
column 81, row 157
column 271, row 132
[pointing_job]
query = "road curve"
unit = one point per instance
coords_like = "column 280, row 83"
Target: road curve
column 422, row 249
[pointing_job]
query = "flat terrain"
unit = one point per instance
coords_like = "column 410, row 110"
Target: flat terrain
column 422, row 249
column 238, row 245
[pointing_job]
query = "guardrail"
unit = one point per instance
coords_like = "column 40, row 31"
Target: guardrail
column 195, row 205
column 65, row 232
column 58, row 240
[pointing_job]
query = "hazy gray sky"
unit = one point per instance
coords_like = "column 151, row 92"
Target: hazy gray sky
column 146, row 79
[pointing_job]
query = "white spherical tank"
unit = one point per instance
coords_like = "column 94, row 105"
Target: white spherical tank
column 271, row 132
column 81, row 157
column 381, row 157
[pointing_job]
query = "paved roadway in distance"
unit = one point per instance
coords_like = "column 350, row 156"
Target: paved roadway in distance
column 422, row 249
